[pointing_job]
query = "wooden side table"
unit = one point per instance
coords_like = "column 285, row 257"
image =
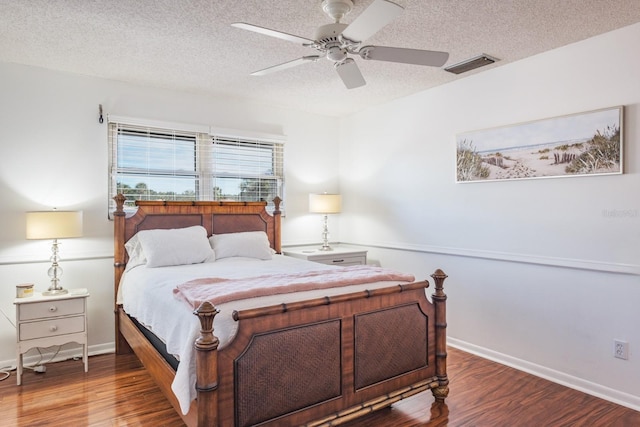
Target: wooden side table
column 44, row 321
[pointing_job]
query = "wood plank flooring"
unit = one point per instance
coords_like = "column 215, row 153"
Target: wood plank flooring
column 118, row 392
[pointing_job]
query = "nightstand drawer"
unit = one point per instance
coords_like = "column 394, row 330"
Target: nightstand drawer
column 51, row 327
column 55, row 308
column 342, row 260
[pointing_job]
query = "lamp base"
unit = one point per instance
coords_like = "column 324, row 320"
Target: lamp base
column 53, row 292
column 55, row 272
column 325, row 235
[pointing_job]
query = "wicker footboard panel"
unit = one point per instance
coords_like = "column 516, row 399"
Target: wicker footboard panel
column 386, row 348
column 312, row 351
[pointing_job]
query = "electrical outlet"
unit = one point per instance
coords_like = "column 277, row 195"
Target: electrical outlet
column 621, row 349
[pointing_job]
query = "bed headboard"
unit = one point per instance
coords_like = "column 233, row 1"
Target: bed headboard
column 216, row 217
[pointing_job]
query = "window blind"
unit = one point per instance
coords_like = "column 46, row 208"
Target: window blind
column 246, row 170
column 149, row 163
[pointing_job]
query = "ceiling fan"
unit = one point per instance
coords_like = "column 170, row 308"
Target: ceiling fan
column 337, row 41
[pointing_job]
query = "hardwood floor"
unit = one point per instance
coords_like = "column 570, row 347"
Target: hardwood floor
column 118, row 392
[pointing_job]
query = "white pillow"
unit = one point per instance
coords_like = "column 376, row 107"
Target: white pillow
column 250, row 244
column 135, row 252
column 175, row 246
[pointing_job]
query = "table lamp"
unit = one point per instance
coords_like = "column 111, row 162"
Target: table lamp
column 325, row 204
column 54, row 225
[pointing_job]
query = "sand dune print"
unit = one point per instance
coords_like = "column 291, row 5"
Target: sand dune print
column 543, row 148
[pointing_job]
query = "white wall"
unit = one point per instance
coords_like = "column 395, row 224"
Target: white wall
column 53, row 152
column 538, row 275
column 539, row 278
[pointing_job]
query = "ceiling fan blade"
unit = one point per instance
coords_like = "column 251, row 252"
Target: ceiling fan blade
column 272, row 33
column 371, row 20
column 350, row 73
column 406, row 56
column 285, row 65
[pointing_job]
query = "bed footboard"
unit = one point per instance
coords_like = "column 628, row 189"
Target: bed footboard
column 324, row 361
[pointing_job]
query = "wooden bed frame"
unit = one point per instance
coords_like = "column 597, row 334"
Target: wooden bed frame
column 317, row 363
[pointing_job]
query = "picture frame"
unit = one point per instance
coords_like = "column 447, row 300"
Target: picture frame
column 581, row 144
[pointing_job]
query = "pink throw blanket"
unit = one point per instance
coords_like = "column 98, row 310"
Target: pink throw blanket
column 218, row 290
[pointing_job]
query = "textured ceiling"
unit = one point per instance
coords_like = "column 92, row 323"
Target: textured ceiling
column 190, row 44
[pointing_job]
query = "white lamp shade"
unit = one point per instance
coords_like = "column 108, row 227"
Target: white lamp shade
column 54, row 224
column 325, row 203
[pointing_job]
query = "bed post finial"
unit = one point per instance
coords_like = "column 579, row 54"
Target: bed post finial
column 206, row 347
column 440, row 302
column 438, row 278
column 277, row 243
column 276, row 202
column 206, row 313
column 120, row 199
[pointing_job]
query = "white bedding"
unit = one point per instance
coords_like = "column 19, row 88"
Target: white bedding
column 147, row 295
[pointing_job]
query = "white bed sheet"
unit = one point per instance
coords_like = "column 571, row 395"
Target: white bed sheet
column 147, row 295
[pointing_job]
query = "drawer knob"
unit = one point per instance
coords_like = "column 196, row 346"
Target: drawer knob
column 53, row 328
column 53, row 309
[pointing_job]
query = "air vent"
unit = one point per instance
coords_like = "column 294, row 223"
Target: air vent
column 471, row 64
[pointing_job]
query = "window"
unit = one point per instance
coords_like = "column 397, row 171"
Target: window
column 245, row 170
column 151, row 163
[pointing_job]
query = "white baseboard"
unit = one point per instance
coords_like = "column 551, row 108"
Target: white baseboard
column 104, row 348
column 49, row 355
column 597, row 390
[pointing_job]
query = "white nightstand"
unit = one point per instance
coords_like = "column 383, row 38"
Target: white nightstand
column 44, row 321
column 338, row 256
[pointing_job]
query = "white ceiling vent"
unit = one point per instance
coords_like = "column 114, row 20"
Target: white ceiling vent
column 471, row 64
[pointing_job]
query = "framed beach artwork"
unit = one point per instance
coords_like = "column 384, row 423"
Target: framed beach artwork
column 588, row 143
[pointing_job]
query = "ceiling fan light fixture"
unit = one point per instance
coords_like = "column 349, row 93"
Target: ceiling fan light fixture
column 336, row 54
column 471, row 64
